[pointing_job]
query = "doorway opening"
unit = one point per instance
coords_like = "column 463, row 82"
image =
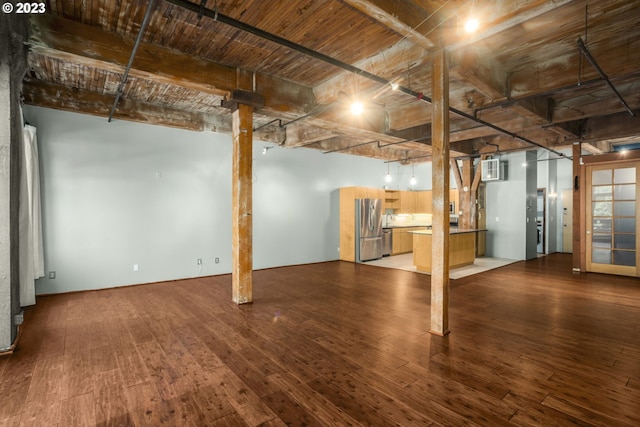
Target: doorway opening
column 541, row 214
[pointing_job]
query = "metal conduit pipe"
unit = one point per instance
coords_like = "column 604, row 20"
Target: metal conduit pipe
column 143, row 27
column 591, row 59
column 214, row 14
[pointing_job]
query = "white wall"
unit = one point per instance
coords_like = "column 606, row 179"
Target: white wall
column 564, row 177
column 422, row 172
column 554, row 174
column 118, row 194
column 506, row 211
column 121, row 193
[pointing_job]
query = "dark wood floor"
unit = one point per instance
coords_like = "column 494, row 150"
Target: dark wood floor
column 334, row 344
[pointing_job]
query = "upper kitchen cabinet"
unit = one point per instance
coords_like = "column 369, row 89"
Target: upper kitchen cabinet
column 423, row 202
column 407, row 202
column 415, row 202
column 392, row 200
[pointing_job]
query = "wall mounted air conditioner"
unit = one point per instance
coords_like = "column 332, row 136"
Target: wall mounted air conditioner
column 493, row 170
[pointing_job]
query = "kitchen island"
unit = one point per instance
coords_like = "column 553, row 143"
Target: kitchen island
column 462, row 248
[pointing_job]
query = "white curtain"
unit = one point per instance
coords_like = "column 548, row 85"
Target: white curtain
column 30, row 235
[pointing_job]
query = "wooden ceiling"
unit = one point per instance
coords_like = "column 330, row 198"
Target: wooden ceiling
column 520, row 81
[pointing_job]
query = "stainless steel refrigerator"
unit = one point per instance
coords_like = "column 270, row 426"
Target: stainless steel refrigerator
column 368, row 229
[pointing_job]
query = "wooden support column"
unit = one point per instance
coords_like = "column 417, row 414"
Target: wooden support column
column 242, row 231
column 578, row 247
column 466, row 198
column 440, row 192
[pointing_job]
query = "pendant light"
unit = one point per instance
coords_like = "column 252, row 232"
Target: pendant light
column 387, row 177
column 413, row 179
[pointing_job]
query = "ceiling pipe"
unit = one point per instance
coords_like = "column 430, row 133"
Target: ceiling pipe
column 125, row 76
column 217, row 16
column 585, row 51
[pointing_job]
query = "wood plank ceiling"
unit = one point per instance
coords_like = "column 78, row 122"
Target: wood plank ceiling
column 522, row 72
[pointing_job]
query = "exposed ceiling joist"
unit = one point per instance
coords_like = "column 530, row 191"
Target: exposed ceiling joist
column 533, row 90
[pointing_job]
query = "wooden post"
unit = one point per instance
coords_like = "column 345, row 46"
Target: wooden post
column 468, row 197
column 242, row 231
column 440, row 188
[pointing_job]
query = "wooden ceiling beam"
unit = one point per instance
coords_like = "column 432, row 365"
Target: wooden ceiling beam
column 400, row 16
column 420, row 131
column 597, row 101
column 615, row 126
column 392, row 63
column 538, row 110
column 89, row 46
column 481, row 70
column 299, row 135
column 509, row 13
column 58, row 97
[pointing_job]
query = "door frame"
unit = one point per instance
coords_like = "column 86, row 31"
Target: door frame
column 633, row 271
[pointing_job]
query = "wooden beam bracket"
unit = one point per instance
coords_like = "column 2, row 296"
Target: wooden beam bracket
column 243, row 97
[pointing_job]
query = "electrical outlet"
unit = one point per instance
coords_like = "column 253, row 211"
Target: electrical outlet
column 52, row 275
column 199, row 261
column 135, row 267
column 217, row 260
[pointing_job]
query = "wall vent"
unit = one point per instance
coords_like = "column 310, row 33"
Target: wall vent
column 493, row 170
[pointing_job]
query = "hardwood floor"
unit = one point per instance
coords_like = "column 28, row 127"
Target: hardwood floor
column 334, row 344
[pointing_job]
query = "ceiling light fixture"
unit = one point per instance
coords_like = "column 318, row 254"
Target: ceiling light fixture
column 356, row 108
column 472, row 25
column 413, row 179
column 387, row 177
column 394, row 86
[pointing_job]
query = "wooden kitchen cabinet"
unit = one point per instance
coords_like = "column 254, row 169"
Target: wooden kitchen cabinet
column 423, row 202
column 415, row 202
column 392, row 200
column 402, row 240
column 407, row 202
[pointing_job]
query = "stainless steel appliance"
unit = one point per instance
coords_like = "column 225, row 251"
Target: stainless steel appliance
column 387, row 243
column 368, row 229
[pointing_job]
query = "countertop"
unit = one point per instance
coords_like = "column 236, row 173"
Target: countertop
column 405, row 226
column 452, row 230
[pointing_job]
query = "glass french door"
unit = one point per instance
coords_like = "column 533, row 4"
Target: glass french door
column 613, row 219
